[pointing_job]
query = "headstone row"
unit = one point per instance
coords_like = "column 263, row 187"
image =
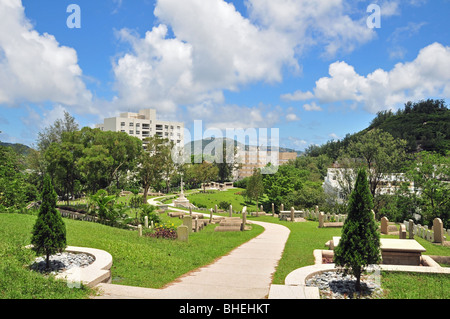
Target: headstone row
column 437, row 233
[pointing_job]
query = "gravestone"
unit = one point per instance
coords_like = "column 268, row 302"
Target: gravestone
column 187, row 221
column 215, row 209
column 273, row 209
column 231, row 211
column 196, row 225
column 282, row 208
column 384, row 225
column 140, row 230
column 183, row 233
column 411, row 229
column 292, row 214
column 210, row 216
column 244, row 218
column 146, row 221
column 438, row 229
column 321, row 219
column 190, row 210
column 402, row 232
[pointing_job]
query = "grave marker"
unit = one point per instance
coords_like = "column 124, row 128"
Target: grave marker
column 187, row 221
column 384, row 225
column 183, row 233
column 438, row 229
column 402, row 232
column 411, row 229
column 321, row 219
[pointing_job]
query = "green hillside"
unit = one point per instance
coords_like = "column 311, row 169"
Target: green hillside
column 425, row 126
column 18, row 148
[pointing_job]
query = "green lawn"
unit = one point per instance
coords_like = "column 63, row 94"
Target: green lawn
column 137, row 261
column 232, row 196
column 153, row 263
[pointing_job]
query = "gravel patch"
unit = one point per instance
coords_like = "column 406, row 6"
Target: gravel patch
column 61, row 262
column 334, row 285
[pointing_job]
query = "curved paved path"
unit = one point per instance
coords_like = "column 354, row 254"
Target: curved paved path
column 245, row 273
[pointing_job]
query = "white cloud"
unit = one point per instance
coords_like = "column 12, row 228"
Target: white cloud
column 35, row 67
column 312, row 107
column 213, row 49
column 297, row 96
column 426, row 76
column 234, row 116
column 201, row 48
column 297, row 143
column 334, row 136
column 292, row 117
column 308, row 22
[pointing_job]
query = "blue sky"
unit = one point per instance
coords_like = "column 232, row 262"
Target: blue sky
column 313, row 69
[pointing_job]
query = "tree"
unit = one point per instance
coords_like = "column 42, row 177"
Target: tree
column 12, row 182
column 227, row 162
column 359, row 245
column 255, row 186
column 430, row 174
column 104, row 204
column 49, row 231
column 54, row 133
column 150, row 169
column 61, row 159
column 206, row 172
column 378, row 153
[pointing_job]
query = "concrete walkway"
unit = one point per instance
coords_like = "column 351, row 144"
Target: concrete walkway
column 245, row 273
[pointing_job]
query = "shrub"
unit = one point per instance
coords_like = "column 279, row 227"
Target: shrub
column 360, row 242
column 224, row 205
column 149, row 211
column 49, row 231
column 164, row 231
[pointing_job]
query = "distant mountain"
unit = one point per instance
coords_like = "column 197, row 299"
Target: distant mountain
column 197, row 147
column 18, row 148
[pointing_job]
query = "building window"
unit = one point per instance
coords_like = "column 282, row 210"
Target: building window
column 131, row 132
column 138, row 132
column 122, row 124
column 138, row 124
column 131, row 124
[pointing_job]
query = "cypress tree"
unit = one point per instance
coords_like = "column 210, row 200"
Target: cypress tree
column 359, row 245
column 49, row 231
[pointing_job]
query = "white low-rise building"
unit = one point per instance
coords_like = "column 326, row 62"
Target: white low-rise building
column 339, row 180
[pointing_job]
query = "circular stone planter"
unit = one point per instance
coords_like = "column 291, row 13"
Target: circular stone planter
column 97, row 272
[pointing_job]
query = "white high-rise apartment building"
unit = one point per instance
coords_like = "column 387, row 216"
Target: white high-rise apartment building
column 145, row 124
